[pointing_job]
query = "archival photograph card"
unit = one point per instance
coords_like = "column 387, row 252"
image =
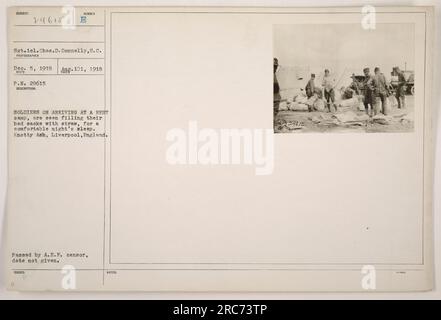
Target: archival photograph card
column 149, row 151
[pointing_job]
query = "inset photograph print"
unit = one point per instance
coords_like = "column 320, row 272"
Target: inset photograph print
column 343, row 78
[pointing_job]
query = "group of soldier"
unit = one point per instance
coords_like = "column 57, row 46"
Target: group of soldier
column 374, row 88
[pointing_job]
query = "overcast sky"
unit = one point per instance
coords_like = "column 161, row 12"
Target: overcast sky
column 345, row 48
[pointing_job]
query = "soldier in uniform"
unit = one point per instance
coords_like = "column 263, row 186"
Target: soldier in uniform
column 401, row 88
column 381, row 90
column 310, row 87
column 368, row 85
column 328, row 88
column 276, row 90
column 355, row 85
column 353, row 88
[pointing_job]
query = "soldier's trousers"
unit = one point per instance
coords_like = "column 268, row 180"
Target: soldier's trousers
column 401, row 100
column 380, row 99
column 330, row 98
column 368, row 100
column 276, row 102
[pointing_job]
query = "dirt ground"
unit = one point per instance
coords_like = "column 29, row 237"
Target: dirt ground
column 397, row 120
